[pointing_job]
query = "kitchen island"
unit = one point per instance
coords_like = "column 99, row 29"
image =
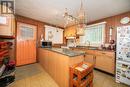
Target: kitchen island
column 56, row 61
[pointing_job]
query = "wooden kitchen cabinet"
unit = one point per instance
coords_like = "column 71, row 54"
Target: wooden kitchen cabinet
column 57, row 65
column 8, row 29
column 90, row 59
column 90, row 55
column 71, row 31
column 105, row 61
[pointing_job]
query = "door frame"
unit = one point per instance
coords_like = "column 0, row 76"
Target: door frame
column 16, row 26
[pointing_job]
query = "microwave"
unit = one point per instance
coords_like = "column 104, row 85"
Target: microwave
column 46, row 44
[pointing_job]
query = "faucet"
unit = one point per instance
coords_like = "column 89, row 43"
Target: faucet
column 88, row 43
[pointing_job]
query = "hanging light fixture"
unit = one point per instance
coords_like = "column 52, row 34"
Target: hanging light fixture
column 80, row 20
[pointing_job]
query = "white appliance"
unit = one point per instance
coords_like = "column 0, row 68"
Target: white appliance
column 123, row 55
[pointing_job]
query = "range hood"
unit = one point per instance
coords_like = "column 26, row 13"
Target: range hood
column 71, row 37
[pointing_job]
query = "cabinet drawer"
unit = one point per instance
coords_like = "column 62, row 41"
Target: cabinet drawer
column 105, row 53
column 92, row 52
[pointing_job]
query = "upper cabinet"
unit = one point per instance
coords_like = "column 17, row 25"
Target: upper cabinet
column 7, row 25
column 54, row 34
column 70, row 31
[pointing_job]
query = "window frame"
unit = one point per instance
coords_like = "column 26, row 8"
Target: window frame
column 6, row 21
column 103, row 35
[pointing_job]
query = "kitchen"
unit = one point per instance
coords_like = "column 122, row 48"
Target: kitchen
column 45, row 42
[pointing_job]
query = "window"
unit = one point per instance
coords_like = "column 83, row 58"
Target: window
column 54, row 34
column 3, row 20
column 27, row 33
column 94, row 34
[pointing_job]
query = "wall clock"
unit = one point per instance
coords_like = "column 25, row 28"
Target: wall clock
column 125, row 20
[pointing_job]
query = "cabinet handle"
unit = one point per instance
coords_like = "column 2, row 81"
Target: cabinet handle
column 94, row 60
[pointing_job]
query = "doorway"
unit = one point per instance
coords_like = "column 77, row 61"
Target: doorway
column 25, row 44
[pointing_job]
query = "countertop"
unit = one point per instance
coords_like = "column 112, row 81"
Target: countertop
column 67, row 52
column 93, row 48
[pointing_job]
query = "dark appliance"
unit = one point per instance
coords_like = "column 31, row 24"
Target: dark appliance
column 46, row 44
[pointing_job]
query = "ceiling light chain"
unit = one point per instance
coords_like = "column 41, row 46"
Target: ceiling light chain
column 79, row 21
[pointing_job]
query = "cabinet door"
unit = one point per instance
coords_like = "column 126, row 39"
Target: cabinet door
column 105, row 63
column 70, row 31
column 90, row 58
column 7, row 27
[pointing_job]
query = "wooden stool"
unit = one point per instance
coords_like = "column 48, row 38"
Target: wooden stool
column 81, row 75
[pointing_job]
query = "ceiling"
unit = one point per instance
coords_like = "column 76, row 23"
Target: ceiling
column 51, row 11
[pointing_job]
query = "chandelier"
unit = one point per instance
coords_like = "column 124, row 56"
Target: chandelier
column 80, row 20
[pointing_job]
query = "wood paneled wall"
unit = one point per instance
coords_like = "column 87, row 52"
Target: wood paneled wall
column 40, row 26
column 113, row 22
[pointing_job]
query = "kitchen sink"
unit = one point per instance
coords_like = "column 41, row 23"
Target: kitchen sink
column 92, row 48
column 87, row 47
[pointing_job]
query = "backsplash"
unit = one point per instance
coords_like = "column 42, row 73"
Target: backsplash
column 71, row 42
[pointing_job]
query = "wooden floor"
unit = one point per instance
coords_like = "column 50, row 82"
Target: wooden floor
column 34, row 76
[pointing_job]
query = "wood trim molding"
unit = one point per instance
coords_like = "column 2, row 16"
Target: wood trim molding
column 19, row 16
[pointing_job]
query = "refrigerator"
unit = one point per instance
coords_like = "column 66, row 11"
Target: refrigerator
column 123, row 55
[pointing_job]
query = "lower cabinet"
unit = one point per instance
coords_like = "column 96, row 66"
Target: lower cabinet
column 57, row 65
column 90, row 58
column 103, row 60
column 105, row 63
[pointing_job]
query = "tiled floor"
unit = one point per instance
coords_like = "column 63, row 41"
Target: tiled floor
column 34, row 76
column 105, row 80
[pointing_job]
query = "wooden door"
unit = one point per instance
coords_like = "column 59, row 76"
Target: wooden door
column 25, row 44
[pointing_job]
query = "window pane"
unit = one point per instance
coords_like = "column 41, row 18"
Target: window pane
column 26, row 33
column 93, row 34
column 3, row 20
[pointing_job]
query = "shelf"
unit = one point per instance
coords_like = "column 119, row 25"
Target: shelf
column 7, row 75
column 81, row 75
column 7, row 37
column 4, row 49
column 4, row 53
